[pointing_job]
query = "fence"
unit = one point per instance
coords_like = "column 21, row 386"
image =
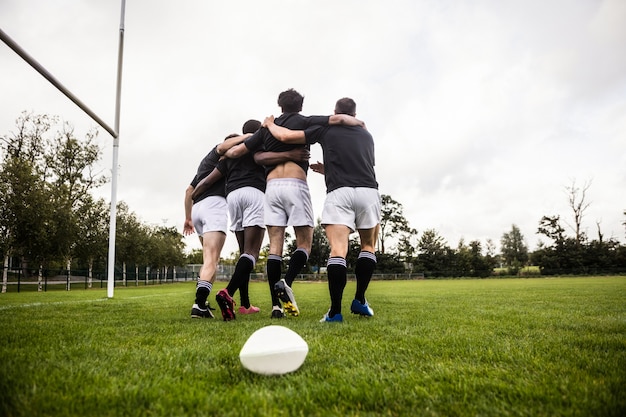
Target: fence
column 30, row 280
column 19, row 279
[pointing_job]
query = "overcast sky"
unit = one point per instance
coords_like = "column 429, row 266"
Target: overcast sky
column 482, row 111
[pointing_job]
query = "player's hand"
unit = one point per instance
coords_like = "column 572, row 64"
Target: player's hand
column 188, row 228
column 300, row 155
column 269, row 120
column 318, row 167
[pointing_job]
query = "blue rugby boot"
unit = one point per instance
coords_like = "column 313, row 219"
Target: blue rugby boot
column 337, row 318
column 361, row 309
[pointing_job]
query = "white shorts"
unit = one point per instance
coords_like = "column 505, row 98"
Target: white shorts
column 210, row 215
column 357, row 208
column 288, row 203
column 245, row 207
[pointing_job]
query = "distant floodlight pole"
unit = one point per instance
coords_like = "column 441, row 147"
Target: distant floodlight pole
column 116, row 147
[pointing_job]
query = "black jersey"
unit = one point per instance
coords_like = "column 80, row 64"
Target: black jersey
column 208, row 163
column 263, row 140
column 243, row 172
column 348, row 155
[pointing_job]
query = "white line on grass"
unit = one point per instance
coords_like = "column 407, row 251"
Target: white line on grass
column 38, row 304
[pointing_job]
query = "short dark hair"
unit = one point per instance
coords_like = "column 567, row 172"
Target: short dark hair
column 345, row 106
column 232, row 135
column 251, row 126
column 290, row 101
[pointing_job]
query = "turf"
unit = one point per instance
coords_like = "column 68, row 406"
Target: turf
column 514, row 347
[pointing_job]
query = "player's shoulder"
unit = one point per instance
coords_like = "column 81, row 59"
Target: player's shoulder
column 358, row 131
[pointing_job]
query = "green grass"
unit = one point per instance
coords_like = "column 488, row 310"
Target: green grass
column 514, row 347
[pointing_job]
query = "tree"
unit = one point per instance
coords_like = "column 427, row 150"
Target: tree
column 462, row 260
column 550, row 226
column 564, row 256
column 69, row 166
column 514, row 249
column 433, row 253
column 354, row 248
column 407, row 248
column 46, row 182
column 320, row 249
column 28, row 143
column 48, row 217
column 571, row 254
column 392, row 221
column 6, row 240
column 24, row 204
column 131, row 240
column 491, row 257
column 70, row 162
column 194, row 257
column 481, row 266
column 92, row 244
column 389, row 264
column 167, row 245
column 27, row 202
column 578, row 204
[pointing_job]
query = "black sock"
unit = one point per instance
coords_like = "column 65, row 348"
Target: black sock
column 365, row 265
column 337, row 279
column 274, row 272
column 296, row 263
column 203, row 289
column 244, row 294
column 244, row 266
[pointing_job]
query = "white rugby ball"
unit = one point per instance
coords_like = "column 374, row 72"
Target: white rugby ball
column 273, row 350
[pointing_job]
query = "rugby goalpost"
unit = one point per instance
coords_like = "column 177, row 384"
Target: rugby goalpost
column 113, row 131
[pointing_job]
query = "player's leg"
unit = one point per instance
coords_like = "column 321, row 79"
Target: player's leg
column 253, row 240
column 338, row 236
column 209, row 217
column 364, row 269
column 276, row 223
column 246, row 212
column 299, row 258
column 212, row 244
column 224, row 297
column 296, row 200
column 244, row 297
column 367, row 223
column 253, row 222
column 274, row 270
column 299, row 209
column 240, row 240
column 297, row 261
column 236, row 205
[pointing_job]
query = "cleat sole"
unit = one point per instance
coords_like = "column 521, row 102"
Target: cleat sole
column 227, row 311
column 291, row 309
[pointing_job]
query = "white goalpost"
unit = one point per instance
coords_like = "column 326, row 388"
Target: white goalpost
column 112, row 131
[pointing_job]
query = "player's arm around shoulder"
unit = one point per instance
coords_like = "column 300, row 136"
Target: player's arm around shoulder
column 237, row 151
column 229, row 143
column 346, row 120
column 206, row 183
column 300, row 154
column 283, row 134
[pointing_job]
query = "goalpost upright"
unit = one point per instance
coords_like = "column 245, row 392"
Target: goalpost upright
column 116, row 147
column 113, row 131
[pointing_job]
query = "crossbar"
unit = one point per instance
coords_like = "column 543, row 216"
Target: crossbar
column 47, row 75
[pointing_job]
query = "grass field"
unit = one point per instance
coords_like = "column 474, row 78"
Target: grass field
column 510, row 347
